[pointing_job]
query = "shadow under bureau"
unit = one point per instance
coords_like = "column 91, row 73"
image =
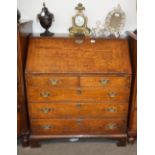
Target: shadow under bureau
column 78, row 90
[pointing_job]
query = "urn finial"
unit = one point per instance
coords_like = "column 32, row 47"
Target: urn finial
column 44, row 5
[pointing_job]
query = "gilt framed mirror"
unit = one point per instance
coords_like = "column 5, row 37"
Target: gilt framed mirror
column 115, row 21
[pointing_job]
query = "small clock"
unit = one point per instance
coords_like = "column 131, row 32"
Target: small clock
column 79, row 22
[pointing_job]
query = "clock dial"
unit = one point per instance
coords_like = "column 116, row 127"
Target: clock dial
column 79, row 20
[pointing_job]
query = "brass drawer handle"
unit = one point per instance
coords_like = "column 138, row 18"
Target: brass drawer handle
column 104, row 82
column 47, row 127
column 112, row 94
column 46, row 110
column 112, row 126
column 45, row 94
column 54, row 82
column 111, row 109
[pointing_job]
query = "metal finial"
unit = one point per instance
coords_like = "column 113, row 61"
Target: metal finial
column 80, row 7
column 44, row 5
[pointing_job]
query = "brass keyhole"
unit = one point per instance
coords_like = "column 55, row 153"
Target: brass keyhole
column 78, row 105
column 79, row 122
column 79, row 92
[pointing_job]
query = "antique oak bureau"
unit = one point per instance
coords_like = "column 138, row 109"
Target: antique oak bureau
column 78, row 90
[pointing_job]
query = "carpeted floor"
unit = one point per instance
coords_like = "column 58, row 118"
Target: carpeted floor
column 78, row 148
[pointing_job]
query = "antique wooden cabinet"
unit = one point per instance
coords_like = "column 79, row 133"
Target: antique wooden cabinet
column 132, row 126
column 78, row 90
column 24, row 29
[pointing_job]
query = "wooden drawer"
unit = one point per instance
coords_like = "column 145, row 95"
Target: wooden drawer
column 77, row 126
column 78, row 109
column 51, row 81
column 106, row 81
column 99, row 94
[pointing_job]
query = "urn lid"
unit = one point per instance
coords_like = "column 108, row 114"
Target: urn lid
column 45, row 12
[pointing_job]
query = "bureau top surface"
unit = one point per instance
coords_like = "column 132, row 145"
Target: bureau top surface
column 64, row 55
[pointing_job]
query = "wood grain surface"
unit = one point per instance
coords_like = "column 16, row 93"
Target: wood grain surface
column 52, row 55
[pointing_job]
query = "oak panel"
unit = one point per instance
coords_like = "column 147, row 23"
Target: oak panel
column 53, row 55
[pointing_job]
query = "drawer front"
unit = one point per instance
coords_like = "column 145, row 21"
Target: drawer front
column 77, row 126
column 51, row 81
column 105, row 82
column 78, row 109
column 47, row 95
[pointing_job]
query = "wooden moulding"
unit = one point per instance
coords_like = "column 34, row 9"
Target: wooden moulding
column 24, row 29
column 132, row 118
column 35, row 139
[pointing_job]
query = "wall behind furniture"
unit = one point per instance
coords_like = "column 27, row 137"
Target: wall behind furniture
column 64, row 10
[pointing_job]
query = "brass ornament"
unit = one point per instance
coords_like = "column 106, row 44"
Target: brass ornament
column 79, row 23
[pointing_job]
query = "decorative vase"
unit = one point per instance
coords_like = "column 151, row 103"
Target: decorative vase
column 46, row 18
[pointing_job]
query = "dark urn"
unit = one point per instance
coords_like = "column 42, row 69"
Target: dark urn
column 46, row 18
column 18, row 15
